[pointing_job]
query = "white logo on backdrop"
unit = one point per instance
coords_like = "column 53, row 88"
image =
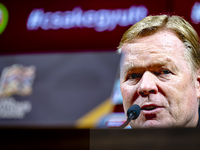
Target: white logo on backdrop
column 15, row 80
column 12, row 109
column 195, row 13
column 101, row 20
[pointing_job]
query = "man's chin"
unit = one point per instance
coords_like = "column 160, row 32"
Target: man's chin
column 149, row 124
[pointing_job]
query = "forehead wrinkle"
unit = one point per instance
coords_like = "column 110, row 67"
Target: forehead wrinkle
column 140, row 48
column 157, row 63
column 144, row 55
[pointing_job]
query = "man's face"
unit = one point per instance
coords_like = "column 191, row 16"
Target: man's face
column 155, row 75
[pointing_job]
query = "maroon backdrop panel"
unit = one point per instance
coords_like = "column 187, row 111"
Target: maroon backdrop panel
column 190, row 10
column 16, row 38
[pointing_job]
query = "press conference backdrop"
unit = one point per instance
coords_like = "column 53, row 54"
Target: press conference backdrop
column 58, row 60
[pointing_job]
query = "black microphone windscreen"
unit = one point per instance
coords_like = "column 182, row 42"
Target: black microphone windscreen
column 134, row 110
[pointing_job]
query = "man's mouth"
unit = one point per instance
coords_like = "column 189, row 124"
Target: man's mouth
column 150, row 111
column 152, row 108
column 149, row 108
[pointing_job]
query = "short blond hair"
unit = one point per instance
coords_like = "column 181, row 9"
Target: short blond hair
column 152, row 24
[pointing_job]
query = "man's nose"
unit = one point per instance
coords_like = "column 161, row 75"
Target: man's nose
column 147, row 84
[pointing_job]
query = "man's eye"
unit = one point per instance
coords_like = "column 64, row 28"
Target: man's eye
column 163, row 71
column 134, row 76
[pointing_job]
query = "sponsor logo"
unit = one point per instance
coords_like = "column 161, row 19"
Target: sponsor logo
column 195, row 13
column 3, row 17
column 15, row 80
column 101, row 20
column 12, row 109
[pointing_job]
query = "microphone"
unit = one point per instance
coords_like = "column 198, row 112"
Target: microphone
column 132, row 114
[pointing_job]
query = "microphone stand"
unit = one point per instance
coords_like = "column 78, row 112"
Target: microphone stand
column 132, row 113
column 131, row 116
